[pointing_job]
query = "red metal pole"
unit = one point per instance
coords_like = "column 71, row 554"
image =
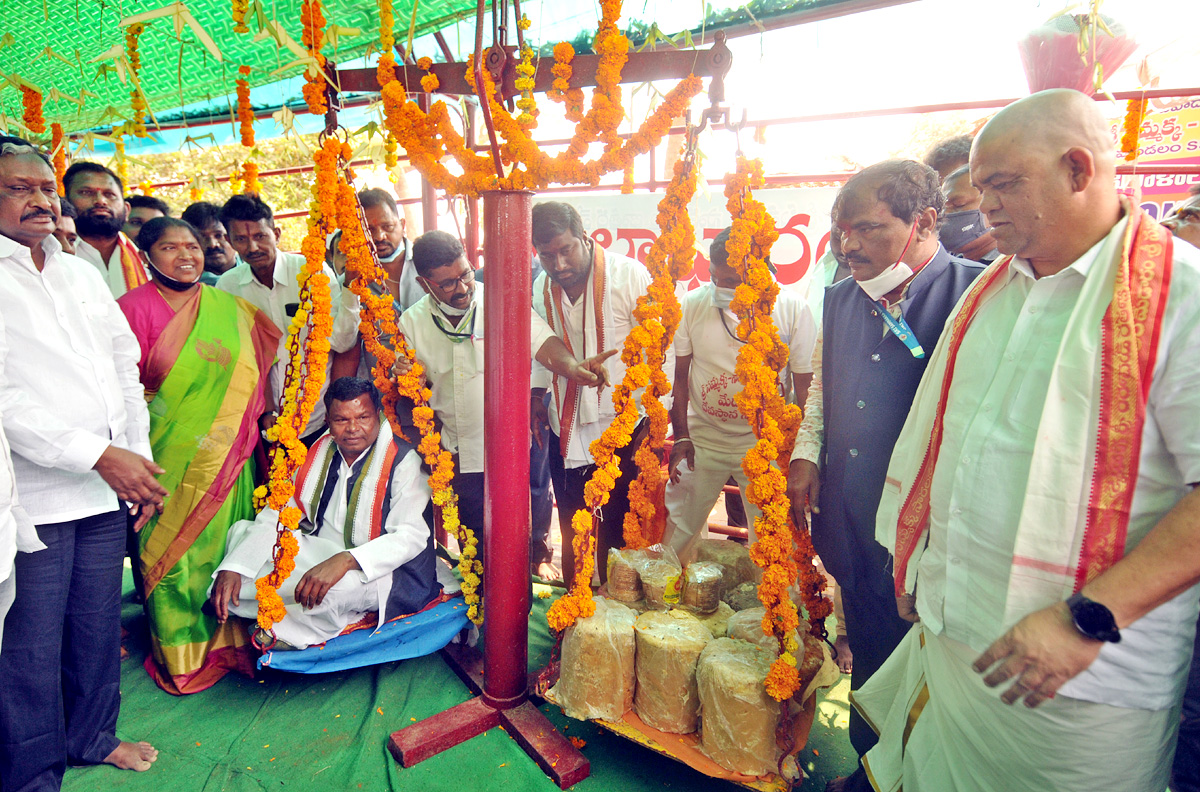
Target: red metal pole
column 506, row 521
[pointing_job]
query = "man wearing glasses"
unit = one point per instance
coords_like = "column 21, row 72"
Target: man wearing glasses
column 1184, row 222
column 445, row 329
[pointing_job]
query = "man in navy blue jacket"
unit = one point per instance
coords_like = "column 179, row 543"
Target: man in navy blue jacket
column 878, row 330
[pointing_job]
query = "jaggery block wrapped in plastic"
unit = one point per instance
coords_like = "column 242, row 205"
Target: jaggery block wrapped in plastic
column 596, row 679
column 737, row 717
column 743, row 597
column 660, row 572
column 747, row 626
column 624, row 582
column 717, row 621
column 702, row 586
column 668, row 645
column 734, row 559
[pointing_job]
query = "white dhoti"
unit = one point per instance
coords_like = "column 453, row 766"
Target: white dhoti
column 350, row 599
column 943, row 730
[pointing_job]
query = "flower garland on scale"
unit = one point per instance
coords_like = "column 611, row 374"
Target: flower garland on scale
column 658, row 314
column 306, row 371
column 781, row 549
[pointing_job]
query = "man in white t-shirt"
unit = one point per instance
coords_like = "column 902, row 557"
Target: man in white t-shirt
column 711, row 434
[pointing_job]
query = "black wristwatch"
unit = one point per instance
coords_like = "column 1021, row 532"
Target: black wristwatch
column 1093, row 619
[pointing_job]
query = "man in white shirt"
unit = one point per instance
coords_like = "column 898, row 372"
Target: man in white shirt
column 587, row 295
column 364, row 542
column 711, row 434
column 387, row 229
column 1041, row 507
column 98, row 196
column 76, row 419
column 446, row 331
column 267, row 278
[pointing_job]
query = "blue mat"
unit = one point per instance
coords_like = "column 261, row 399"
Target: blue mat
column 412, row 636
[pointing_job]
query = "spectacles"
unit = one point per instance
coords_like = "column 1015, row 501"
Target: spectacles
column 452, row 284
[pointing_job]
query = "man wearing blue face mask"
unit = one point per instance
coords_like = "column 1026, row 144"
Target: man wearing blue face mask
column 711, row 435
column 964, row 232
column 878, row 329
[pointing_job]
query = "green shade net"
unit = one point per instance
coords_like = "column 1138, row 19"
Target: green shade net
column 175, row 71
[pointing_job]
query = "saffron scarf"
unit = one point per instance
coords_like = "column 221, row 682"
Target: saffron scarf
column 132, row 267
column 1106, row 358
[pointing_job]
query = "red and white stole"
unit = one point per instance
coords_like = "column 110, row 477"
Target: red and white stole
column 1052, row 556
column 552, row 297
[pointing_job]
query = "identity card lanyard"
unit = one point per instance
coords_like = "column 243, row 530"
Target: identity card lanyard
column 901, row 330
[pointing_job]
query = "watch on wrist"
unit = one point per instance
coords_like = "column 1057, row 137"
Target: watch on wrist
column 1093, row 619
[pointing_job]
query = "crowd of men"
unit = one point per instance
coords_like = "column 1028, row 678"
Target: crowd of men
column 996, row 462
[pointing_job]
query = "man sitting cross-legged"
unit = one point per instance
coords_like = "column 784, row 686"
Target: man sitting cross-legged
column 364, row 542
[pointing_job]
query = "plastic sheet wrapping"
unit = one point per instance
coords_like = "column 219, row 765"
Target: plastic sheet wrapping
column 738, row 718
column 717, row 621
column 747, row 625
column 596, row 679
column 668, row 645
column 743, row 597
column 702, row 586
column 734, row 559
column 624, row 582
column 660, row 572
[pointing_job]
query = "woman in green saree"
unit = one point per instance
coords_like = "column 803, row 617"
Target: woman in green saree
column 206, row 356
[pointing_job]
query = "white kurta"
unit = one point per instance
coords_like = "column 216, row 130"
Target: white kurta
column 454, row 370
column 70, row 382
column 111, row 271
column 279, row 303
column 403, row 537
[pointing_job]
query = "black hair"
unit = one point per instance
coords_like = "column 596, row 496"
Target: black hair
column 378, row 197
column 248, row 207
column 346, row 389
column 9, row 140
column 716, row 251
column 148, row 202
column 82, row 167
column 906, row 186
column 965, row 170
column 154, row 228
column 1194, row 189
column 435, row 249
column 67, row 209
column 202, row 214
column 551, row 218
column 948, row 151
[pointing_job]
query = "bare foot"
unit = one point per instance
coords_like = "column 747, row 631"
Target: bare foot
column 132, row 756
column 845, row 658
column 547, row 571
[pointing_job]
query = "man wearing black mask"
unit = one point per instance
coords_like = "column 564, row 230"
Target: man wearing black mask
column 963, row 231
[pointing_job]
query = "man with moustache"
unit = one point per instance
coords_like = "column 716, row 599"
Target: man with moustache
column 65, row 231
column 219, row 255
column 267, row 278
column 1184, row 220
column 76, row 419
column 387, row 230
column 98, row 196
column 878, row 329
column 1041, row 507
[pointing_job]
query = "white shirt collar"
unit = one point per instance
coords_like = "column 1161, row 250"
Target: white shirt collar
column 1082, row 265
column 10, row 248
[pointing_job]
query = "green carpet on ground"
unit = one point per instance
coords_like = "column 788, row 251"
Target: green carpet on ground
column 330, row 732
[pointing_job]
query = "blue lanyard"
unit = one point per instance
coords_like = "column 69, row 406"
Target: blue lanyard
column 901, row 330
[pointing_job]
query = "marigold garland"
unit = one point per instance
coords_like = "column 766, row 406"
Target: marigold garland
column 122, row 160
column 669, row 260
column 147, row 187
column 561, row 90
column 195, row 194
column 244, row 112
column 31, row 100
column 312, row 20
column 430, row 81
column 306, row 371
column 1135, row 114
column 236, row 184
column 385, row 72
column 58, row 148
column 136, row 100
column 240, row 7
column 524, row 82
column 781, row 549
column 250, row 177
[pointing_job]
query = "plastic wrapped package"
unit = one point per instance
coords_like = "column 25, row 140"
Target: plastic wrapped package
column 660, row 572
column 737, row 717
column 747, row 625
column 717, row 621
column 734, row 559
column 596, row 678
column 668, row 645
column 624, row 582
column 702, row 586
column 743, row 597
